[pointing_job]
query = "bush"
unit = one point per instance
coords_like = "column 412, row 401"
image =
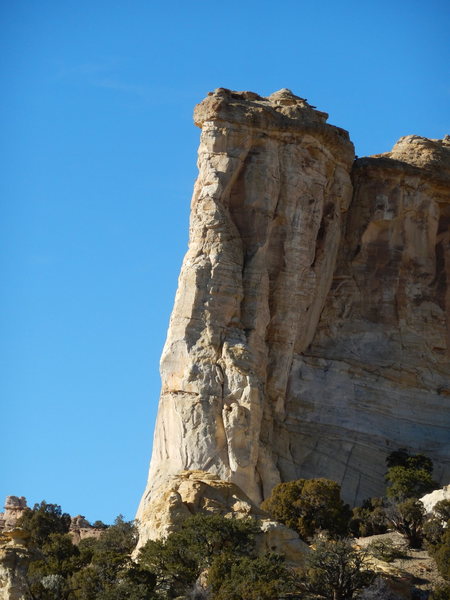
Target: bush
column 441, row 554
column 433, row 530
column 385, row 550
column 47, row 576
column 408, row 518
column 110, row 573
column 436, row 525
column 120, row 538
column 335, row 570
column 409, row 476
column 442, row 510
column 369, row 519
column 308, row 506
column 98, row 582
column 262, row 578
column 178, row 561
column 43, row 520
column 402, row 458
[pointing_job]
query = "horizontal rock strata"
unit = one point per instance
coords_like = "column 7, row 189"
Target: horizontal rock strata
column 310, row 331
column 376, row 376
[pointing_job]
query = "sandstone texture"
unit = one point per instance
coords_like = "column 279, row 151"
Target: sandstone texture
column 15, row 557
column 376, row 376
column 194, row 492
column 430, row 500
column 14, row 509
column 310, row 332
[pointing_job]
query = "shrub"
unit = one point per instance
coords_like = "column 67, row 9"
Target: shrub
column 441, row 554
column 178, row 561
column 47, row 576
column 408, row 476
column 109, row 573
column 43, row 520
column 369, row 519
column 120, row 538
column 402, row 458
column 336, row 570
column 442, row 510
column 408, row 518
column 433, row 530
column 385, row 550
column 262, row 578
column 308, row 506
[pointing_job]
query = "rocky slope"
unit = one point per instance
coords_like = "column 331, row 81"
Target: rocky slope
column 310, row 330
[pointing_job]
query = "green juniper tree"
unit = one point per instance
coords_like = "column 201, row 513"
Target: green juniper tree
column 408, row 475
column 308, row 506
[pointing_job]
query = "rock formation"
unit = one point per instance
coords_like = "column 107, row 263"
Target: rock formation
column 430, row 500
column 80, row 528
column 14, row 509
column 15, row 554
column 193, row 492
column 15, row 557
column 310, row 332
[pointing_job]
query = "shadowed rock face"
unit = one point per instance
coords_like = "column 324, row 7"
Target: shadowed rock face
column 376, row 376
column 309, row 335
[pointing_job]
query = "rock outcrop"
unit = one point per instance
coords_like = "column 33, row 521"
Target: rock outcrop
column 310, row 332
column 15, row 557
column 80, row 527
column 199, row 492
column 430, row 500
column 14, row 509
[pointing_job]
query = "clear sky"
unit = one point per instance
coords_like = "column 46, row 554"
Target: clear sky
column 98, row 158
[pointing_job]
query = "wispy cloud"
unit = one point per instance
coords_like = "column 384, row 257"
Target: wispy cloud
column 102, row 75
column 120, row 86
column 114, row 75
column 85, row 70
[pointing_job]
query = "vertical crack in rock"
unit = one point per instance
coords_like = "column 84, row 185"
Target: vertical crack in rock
column 310, row 331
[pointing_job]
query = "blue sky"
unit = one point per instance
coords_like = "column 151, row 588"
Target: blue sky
column 98, row 154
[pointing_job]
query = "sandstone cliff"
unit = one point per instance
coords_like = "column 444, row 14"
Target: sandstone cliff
column 310, row 330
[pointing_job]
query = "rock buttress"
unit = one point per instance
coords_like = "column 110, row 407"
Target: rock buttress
column 266, row 220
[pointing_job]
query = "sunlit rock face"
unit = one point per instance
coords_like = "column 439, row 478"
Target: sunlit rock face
column 309, row 336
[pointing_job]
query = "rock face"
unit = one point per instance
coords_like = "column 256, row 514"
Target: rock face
column 310, row 332
column 376, row 376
